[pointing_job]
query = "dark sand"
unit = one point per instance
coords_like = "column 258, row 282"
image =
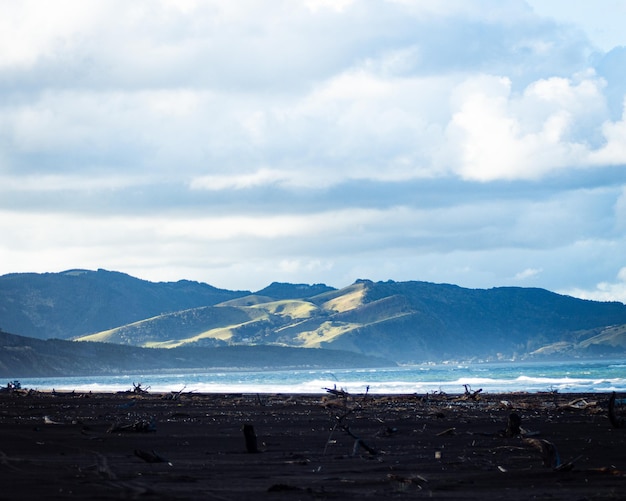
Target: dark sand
column 437, row 447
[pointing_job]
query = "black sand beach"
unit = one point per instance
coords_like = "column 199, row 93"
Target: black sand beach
column 155, row 446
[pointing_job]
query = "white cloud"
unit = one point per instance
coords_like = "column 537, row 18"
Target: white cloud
column 457, row 141
column 554, row 124
column 527, row 273
column 604, row 291
column 30, row 30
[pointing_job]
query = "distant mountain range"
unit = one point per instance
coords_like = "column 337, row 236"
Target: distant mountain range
column 398, row 321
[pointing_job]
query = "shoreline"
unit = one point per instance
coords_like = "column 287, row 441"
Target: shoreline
column 598, row 376
column 73, row 445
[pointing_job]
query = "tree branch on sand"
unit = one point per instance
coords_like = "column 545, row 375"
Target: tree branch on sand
column 340, row 420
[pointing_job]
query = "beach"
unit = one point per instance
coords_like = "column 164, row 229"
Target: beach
column 334, row 445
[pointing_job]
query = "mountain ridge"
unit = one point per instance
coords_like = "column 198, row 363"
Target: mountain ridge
column 407, row 322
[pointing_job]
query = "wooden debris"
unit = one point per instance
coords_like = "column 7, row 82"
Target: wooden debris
column 579, row 404
column 151, row 457
column 567, row 466
column 549, row 453
column 616, row 421
column 513, row 426
column 469, row 394
column 141, row 426
column 360, row 443
column 137, row 388
column 175, row 395
column 449, row 431
column 338, row 393
column 250, row 438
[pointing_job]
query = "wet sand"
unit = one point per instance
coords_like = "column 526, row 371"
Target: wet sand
column 151, row 446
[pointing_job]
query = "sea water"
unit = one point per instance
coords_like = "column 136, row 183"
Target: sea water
column 451, row 378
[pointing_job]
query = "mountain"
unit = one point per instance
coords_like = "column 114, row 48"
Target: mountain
column 607, row 342
column 22, row 356
column 401, row 321
column 77, row 302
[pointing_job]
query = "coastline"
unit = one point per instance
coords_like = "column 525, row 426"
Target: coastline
column 592, row 376
column 66, row 445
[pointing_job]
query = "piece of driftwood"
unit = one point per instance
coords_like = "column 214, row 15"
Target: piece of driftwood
column 359, row 443
column 175, row 395
column 340, row 420
column 513, row 425
column 567, row 466
column 548, row 451
column 469, row 394
column 449, row 431
column 250, row 438
column 141, row 426
column 341, row 393
column 137, row 388
column 616, row 421
column 151, row 457
column 579, row 404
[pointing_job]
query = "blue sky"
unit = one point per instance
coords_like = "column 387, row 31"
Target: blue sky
column 481, row 143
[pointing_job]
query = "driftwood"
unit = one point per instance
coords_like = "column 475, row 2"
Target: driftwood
column 339, row 420
column 175, row 395
column 360, row 443
column 513, row 425
column 616, row 421
column 141, row 426
column 548, row 451
column 449, row 431
column 469, row 394
column 341, row 393
column 579, row 404
column 137, row 388
column 151, row 457
column 250, row 437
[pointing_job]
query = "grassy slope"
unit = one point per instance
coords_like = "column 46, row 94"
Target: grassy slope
column 400, row 321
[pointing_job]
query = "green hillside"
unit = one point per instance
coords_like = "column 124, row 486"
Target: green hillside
column 405, row 322
column 77, row 302
column 401, row 321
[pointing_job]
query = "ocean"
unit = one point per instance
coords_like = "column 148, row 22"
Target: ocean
column 585, row 376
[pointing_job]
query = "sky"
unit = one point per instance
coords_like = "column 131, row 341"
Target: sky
column 474, row 142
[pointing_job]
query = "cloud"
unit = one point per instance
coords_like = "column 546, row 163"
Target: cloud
column 527, row 273
column 477, row 143
column 554, row 124
column 604, row 291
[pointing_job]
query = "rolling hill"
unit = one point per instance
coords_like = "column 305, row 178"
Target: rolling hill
column 405, row 322
column 76, row 302
column 400, row 321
